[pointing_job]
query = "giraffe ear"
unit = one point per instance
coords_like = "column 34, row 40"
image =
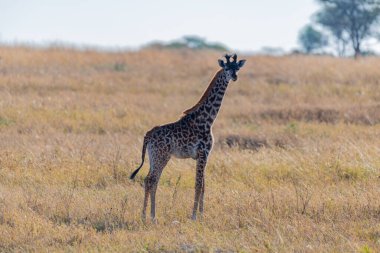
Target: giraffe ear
column 221, row 63
column 241, row 63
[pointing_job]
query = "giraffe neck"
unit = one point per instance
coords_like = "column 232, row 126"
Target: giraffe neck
column 206, row 113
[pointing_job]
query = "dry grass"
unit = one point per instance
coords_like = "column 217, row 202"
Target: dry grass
column 295, row 165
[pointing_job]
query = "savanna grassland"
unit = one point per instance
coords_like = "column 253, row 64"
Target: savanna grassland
column 295, row 165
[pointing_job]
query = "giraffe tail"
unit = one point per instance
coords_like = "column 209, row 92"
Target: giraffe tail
column 142, row 158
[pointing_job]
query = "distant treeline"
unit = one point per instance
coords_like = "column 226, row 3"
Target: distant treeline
column 190, row 42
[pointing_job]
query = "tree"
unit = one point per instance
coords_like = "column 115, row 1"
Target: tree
column 336, row 27
column 311, row 39
column 349, row 20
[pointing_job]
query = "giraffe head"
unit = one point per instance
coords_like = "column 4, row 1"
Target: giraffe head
column 231, row 67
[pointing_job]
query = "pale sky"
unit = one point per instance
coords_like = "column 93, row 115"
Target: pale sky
column 246, row 25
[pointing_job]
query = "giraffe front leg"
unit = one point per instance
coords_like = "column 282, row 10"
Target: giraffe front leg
column 198, row 189
column 201, row 201
column 199, row 182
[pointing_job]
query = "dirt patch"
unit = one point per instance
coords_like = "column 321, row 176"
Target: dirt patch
column 301, row 114
column 255, row 143
column 243, row 142
column 369, row 115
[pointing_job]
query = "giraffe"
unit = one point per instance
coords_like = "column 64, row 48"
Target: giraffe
column 189, row 137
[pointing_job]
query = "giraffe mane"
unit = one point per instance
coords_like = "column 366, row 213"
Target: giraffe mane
column 205, row 93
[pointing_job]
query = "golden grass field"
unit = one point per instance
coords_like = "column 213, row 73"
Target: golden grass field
column 295, row 165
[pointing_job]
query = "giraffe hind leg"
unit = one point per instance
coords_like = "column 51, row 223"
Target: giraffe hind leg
column 146, row 198
column 158, row 161
column 147, row 186
column 157, row 170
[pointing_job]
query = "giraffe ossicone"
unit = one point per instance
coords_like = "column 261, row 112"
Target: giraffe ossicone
column 189, row 137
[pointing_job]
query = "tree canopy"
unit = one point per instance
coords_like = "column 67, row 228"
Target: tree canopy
column 349, row 21
column 311, row 39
